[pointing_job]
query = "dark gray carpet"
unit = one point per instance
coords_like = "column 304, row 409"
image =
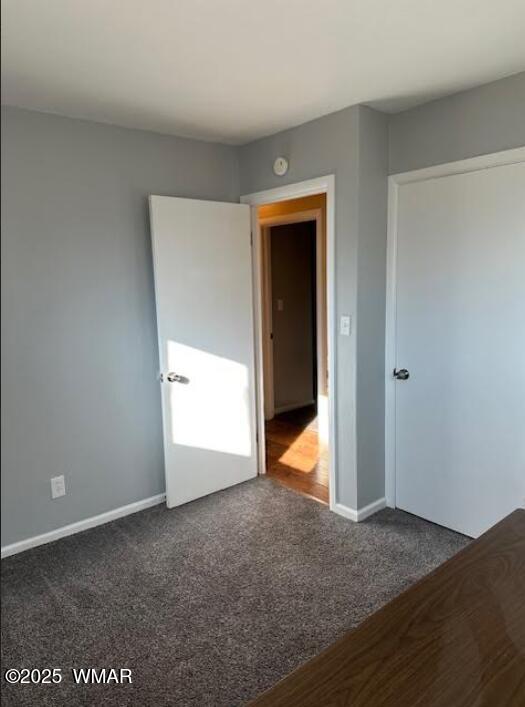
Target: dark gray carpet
column 208, row 604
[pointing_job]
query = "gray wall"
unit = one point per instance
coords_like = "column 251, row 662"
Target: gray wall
column 371, row 298
column 486, row 119
column 79, row 363
column 293, row 267
column 340, row 144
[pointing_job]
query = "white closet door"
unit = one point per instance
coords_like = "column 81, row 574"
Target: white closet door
column 460, row 416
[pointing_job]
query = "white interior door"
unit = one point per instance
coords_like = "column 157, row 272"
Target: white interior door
column 203, row 287
column 460, row 416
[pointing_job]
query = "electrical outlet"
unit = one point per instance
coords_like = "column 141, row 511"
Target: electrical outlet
column 58, row 487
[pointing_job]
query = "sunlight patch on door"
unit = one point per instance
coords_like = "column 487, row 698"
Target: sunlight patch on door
column 212, row 410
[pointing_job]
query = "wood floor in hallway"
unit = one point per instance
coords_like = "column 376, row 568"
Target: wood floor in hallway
column 295, row 457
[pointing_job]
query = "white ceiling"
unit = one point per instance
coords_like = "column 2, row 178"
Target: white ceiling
column 235, row 70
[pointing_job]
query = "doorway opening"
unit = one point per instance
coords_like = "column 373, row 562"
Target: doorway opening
column 294, row 343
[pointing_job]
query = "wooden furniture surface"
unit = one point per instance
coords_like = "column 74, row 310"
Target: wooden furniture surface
column 454, row 639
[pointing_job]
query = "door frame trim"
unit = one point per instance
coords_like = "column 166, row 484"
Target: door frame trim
column 320, row 185
column 472, row 164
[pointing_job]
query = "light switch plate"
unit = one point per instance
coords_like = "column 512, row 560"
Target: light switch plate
column 345, row 325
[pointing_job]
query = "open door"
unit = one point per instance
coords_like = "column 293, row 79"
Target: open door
column 203, row 289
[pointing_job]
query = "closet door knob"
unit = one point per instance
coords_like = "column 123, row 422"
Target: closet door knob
column 402, row 374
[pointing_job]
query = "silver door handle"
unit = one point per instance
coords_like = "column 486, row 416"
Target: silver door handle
column 402, row 374
column 174, row 378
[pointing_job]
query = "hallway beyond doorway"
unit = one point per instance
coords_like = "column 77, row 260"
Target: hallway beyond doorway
column 296, row 457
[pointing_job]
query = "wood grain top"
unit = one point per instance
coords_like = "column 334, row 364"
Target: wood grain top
column 456, row 638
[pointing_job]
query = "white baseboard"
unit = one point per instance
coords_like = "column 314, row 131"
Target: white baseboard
column 81, row 525
column 293, row 406
column 361, row 513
